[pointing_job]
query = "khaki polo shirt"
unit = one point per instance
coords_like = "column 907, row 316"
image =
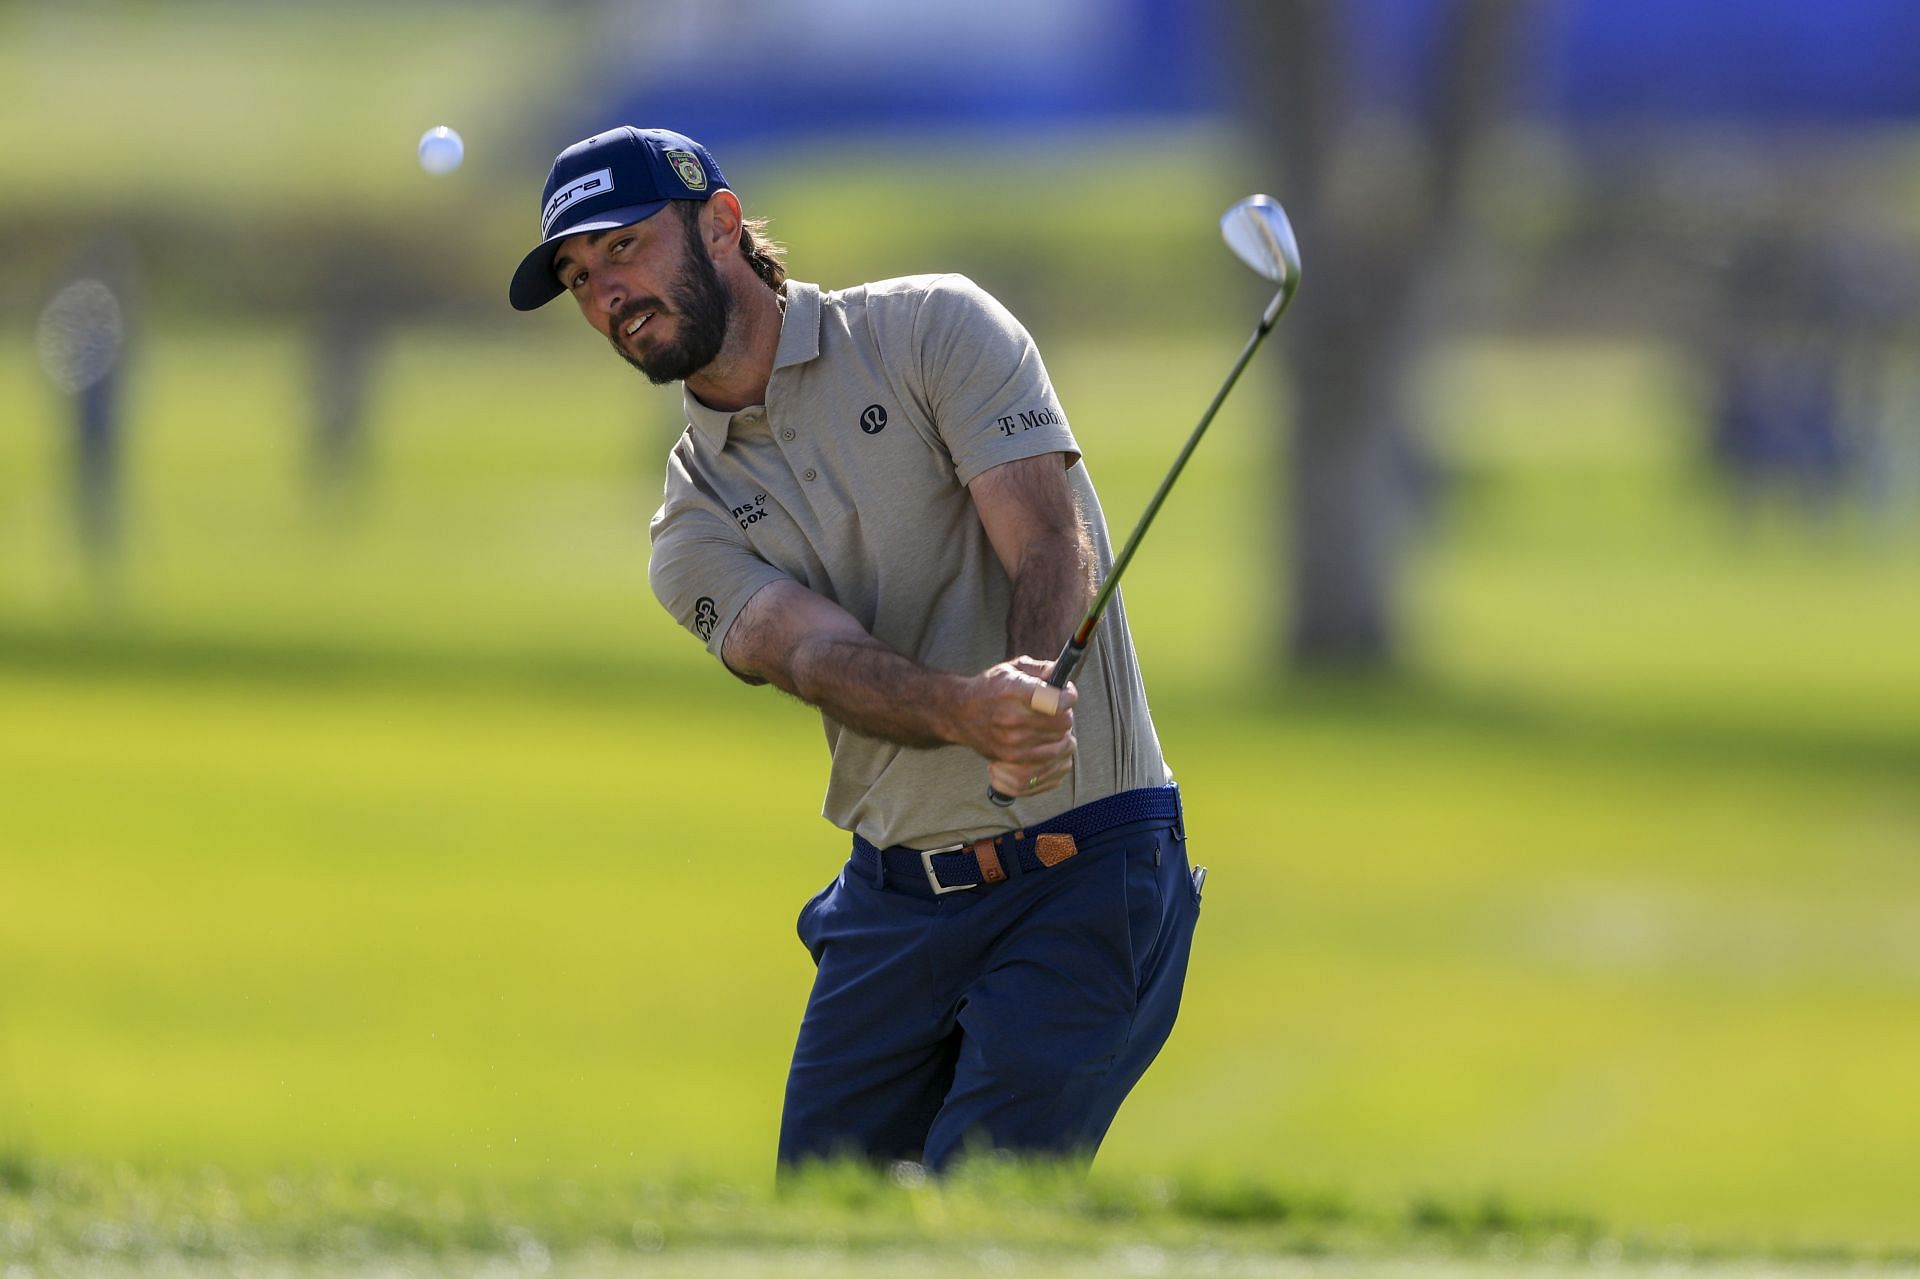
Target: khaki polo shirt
column 885, row 400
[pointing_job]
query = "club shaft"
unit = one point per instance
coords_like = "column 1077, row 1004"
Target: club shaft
column 1076, row 647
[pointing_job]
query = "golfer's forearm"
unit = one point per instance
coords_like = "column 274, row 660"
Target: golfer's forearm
column 1051, row 591
column 809, row 646
column 874, row 690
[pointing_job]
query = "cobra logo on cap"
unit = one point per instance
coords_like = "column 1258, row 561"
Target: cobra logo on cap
column 599, row 182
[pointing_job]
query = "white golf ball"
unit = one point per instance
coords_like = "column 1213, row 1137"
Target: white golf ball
column 441, row 150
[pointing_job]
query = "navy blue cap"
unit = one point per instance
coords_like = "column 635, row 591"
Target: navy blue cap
column 612, row 179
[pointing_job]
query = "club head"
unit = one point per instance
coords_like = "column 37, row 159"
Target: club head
column 1257, row 231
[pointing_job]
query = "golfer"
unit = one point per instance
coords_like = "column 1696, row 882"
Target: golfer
column 877, row 506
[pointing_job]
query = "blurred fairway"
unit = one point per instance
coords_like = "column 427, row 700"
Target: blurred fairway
column 413, row 837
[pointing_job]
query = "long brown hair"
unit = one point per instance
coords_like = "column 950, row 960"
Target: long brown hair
column 767, row 256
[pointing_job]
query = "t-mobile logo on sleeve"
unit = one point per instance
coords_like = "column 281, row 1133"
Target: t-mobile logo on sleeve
column 1027, row 421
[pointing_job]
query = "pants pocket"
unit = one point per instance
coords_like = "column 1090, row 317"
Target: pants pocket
column 1146, row 902
column 1195, row 876
column 805, row 924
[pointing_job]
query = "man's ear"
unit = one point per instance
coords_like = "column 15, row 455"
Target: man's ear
column 720, row 223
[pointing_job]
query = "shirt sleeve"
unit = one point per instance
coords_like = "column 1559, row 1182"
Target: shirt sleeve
column 701, row 569
column 991, row 399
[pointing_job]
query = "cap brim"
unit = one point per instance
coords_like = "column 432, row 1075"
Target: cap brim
column 534, row 284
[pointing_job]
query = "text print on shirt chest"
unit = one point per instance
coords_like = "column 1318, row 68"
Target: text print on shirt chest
column 750, row 513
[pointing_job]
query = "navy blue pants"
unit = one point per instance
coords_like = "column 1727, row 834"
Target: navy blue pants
column 1015, row 1015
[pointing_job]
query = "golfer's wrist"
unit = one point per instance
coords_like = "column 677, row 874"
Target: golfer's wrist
column 953, row 708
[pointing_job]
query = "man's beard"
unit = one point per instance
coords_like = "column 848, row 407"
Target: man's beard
column 701, row 304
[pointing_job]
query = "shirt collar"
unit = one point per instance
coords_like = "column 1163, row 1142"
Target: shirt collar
column 799, row 343
column 710, row 424
column 800, row 329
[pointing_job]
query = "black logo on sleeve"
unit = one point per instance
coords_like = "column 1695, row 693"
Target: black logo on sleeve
column 1027, row 421
column 704, row 616
column 873, row 419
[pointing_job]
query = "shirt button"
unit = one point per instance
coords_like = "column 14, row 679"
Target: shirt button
column 809, row 474
column 787, row 434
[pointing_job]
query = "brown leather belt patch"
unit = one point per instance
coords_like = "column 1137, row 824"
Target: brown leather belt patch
column 991, row 871
column 1054, row 849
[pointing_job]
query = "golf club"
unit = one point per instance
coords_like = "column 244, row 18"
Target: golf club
column 1257, row 231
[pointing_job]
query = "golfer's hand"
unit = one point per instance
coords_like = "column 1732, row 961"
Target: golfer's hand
column 1030, row 750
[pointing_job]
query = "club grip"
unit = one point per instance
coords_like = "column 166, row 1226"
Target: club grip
column 1046, row 700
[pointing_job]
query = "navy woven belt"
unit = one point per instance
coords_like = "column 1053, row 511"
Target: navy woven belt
column 984, row 861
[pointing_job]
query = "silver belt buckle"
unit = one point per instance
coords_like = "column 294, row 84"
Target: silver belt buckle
column 933, row 881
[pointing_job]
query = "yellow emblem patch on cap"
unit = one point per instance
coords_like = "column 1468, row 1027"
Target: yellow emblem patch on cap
column 687, row 165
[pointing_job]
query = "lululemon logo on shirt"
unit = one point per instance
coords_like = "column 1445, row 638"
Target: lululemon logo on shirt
column 704, row 616
column 873, row 419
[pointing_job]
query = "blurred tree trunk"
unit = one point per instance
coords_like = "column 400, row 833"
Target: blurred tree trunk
column 1375, row 202
column 343, row 353
column 362, row 286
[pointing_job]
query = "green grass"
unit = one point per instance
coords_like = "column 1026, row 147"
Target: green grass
column 990, row 1217
column 205, row 1212
column 413, row 839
